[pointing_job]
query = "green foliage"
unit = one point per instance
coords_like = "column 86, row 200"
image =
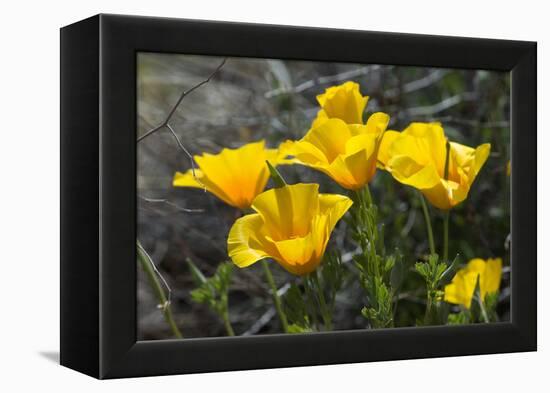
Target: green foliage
column 296, row 310
column 295, row 328
column 398, row 271
column 380, row 274
column 313, row 308
column 435, row 274
column 332, row 275
column 379, row 313
column 491, row 302
column 213, row 291
column 460, row 318
column 431, row 271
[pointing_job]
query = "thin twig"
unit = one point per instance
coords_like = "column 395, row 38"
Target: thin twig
column 180, row 99
column 158, row 274
column 417, row 84
column 409, row 224
column 474, row 123
column 172, row 204
column 322, row 80
column 169, row 127
column 166, row 124
column 267, row 316
column 261, row 322
column 151, row 270
column 440, row 106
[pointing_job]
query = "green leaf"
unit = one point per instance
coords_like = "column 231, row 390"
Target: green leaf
column 196, row 273
column 275, row 176
column 398, row 271
column 491, row 301
column 423, row 269
column 212, row 291
column 295, row 307
column 295, row 328
column 461, row 318
column 449, row 273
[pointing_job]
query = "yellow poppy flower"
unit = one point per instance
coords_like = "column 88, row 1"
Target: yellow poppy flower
column 292, row 225
column 417, row 156
column 345, row 152
column 462, row 287
column 343, row 102
column 236, row 176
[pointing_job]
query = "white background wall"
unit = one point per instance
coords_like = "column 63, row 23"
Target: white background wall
column 29, row 161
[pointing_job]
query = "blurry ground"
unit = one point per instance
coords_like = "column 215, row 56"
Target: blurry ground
column 252, row 99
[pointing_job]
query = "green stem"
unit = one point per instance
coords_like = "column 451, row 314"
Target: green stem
column 446, row 236
column 322, row 302
column 483, row 311
column 429, row 304
column 276, row 298
column 428, row 224
column 146, row 264
column 368, row 195
column 311, row 304
column 227, row 324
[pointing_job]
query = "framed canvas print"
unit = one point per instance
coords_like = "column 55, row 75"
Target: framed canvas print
column 292, row 195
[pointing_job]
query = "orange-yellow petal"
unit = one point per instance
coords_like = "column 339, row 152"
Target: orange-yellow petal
column 188, row 179
column 246, row 244
column 292, row 225
column 343, row 102
column 287, row 211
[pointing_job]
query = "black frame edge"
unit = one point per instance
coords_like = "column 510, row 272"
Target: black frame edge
column 524, row 196
column 79, row 292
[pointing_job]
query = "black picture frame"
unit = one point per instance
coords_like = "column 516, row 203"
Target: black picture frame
column 98, row 196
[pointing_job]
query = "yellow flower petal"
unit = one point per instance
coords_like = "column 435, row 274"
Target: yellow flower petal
column 490, row 280
column 330, row 138
column 187, row 179
column 462, row 287
column 377, row 123
column 339, row 172
column 417, row 157
column 384, row 151
column 343, row 102
column 292, row 225
column 445, row 194
column 408, row 171
column 480, row 157
column 334, row 206
column 424, row 143
column 245, row 243
column 298, row 255
column 345, row 152
column 287, row 211
column 361, row 166
column 304, row 152
column 236, row 176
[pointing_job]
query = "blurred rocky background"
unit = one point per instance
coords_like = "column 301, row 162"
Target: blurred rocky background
column 252, row 99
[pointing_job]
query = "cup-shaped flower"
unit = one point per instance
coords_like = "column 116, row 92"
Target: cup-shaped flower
column 291, row 224
column 418, row 157
column 343, row 102
column 236, row 176
column 462, row 287
column 345, row 152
